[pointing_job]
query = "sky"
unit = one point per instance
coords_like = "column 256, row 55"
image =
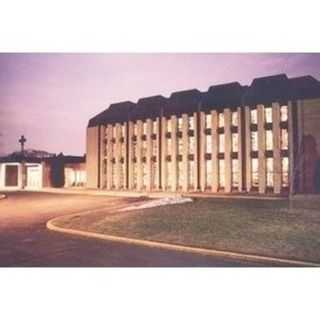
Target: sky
column 50, row 97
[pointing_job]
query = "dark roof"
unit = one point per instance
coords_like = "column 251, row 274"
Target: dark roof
column 149, row 107
column 305, row 87
column 117, row 112
column 224, row 95
column 183, row 102
column 268, row 90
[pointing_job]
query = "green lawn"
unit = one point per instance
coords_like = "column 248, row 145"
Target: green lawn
column 273, row 228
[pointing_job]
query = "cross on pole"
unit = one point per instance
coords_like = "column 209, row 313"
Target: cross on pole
column 22, row 141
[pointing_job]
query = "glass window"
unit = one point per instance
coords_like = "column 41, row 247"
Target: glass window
column 254, row 116
column 284, row 113
column 221, row 120
column 191, row 123
column 270, row 172
column 221, row 143
column 221, row 173
column 268, row 114
column 208, row 173
column 269, row 140
column 254, row 141
column 285, row 172
column 234, row 142
column 254, row 172
column 235, row 173
column 284, row 139
column 208, row 143
column 234, row 118
column 208, row 121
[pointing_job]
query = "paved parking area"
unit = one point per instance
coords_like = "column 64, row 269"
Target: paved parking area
column 25, row 241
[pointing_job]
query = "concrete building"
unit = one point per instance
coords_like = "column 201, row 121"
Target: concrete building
column 263, row 138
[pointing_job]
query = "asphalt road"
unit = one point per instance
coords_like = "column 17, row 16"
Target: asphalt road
column 25, row 241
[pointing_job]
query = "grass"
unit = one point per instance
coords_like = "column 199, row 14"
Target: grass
column 277, row 228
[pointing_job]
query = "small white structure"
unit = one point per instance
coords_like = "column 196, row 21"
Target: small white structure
column 21, row 175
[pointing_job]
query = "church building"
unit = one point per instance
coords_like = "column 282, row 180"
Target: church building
column 232, row 139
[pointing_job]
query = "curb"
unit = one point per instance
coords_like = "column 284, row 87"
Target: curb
column 154, row 244
column 2, row 196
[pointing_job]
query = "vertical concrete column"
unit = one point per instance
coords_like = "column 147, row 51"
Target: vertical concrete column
column 202, row 160
column 214, row 148
column 227, row 149
column 102, row 157
column 139, row 155
column 299, row 161
column 110, row 156
column 158, row 153
column 117, row 157
column 247, row 138
column 130, row 155
column 276, row 148
column 163, row 154
column 185, row 151
column 92, row 157
column 149, row 154
column 174, row 153
column 261, row 149
column 196, row 153
column 293, row 145
column 240, row 148
column 125, row 156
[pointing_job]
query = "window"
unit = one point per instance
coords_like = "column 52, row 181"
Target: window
column 269, row 172
column 208, row 143
column 221, row 143
column 235, row 173
column 234, row 138
column 269, row 140
column 254, row 116
column 208, row 173
column 268, row 114
column 254, row 141
column 234, row 118
column 254, row 172
column 284, row 139
column 221, row 173
column 284, row 113
column 221, row 120
column 208, row 121
column 285, row 171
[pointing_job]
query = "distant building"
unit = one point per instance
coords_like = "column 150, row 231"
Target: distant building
column 263, row 138
column 35, row 170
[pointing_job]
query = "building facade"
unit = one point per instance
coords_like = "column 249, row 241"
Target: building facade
column 262, row 138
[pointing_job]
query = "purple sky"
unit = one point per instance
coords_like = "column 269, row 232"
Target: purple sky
column 50, row 97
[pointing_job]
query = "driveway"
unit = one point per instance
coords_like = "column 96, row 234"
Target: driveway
column 25, row 241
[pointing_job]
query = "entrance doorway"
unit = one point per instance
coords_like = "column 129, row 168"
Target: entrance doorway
column 34, row 176
column 11, row 176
